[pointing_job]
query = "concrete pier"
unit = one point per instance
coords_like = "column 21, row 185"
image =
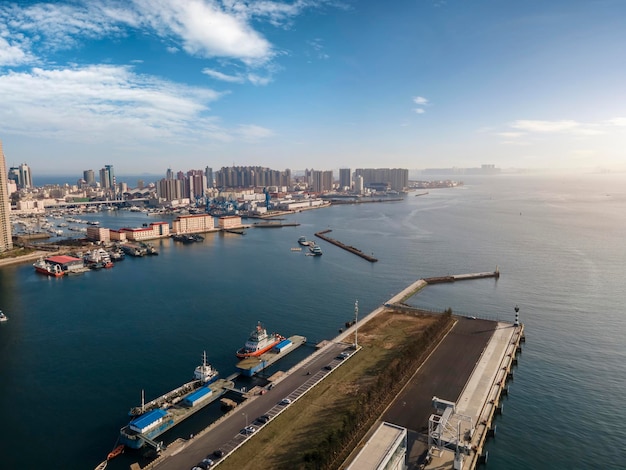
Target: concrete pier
column 349, row 248
column 479, row 401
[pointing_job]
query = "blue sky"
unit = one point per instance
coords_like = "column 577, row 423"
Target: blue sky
column 149, row 84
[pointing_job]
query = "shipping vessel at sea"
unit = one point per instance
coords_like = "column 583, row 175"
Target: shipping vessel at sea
column 163, row 413
column 259, row 342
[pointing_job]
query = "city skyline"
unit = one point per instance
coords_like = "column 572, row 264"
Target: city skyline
column 145, row 86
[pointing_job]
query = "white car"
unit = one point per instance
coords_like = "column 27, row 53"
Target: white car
column 285, row 401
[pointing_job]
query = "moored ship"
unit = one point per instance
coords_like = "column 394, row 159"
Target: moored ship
column 302, row 241
column 259, row 342
column 315, row 250
column 153, row 419
column 50, row 269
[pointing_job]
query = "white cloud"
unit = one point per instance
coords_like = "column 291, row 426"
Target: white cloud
column 511, row 135
column 205, row 29
column 419, row 111
column 252, row 132
column 545, row 126
column 102, row 102
column 222, row 76
column 12, row 54
column 318, row 48
column 420, row 100
column 619, row 121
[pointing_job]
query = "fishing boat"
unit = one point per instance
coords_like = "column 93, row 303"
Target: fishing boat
column 50, row 269
column 115, row 452
column 259, row 342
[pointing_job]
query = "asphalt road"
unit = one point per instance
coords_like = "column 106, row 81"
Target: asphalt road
column 444, row 375
column 227, row 436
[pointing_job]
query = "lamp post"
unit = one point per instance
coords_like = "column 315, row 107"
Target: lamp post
column 246, row 415
column 356, row 325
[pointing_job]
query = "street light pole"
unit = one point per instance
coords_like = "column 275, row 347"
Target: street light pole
column 356, row 325
column 246, row 415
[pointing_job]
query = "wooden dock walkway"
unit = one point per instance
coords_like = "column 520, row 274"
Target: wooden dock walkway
column 349, row 248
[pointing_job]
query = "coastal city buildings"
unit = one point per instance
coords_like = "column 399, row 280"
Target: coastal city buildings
column 21, row 175
column 396, row 179
column 344, row 178
column 322, row 181
column 89, row 177
column 6, row 242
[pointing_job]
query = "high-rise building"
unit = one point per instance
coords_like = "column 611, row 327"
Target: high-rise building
column 396, row 178
column 208, row 172
column 344, row 178
column 6, row 242
column 89, row 177
column 197, row 183
column 26, row 178
column 322, row 181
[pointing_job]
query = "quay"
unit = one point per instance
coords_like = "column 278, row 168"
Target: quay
column 469, row 367
column 351, row 249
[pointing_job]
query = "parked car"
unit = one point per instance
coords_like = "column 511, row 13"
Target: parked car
column 285, row 401
column 263, row 419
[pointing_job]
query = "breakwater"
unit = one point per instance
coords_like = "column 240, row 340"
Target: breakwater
column 349, row 248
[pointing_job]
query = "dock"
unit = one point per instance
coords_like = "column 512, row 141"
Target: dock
column 274, row 224
column 171, row 416
column 349, row 248
column 253, row 365
column 458, row 433
column 463, row 277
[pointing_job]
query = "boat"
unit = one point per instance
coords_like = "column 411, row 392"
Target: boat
column 115, row 452
column 315, row 250
column 98, row 258
column 259, row 342
column 3, row 317
column 50, row 269
column 204, row 374
column 156, row 417
column 302, row 241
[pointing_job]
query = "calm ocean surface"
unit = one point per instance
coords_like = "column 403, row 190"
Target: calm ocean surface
column 77, row 351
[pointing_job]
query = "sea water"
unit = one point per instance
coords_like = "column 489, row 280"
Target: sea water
column 77, row 351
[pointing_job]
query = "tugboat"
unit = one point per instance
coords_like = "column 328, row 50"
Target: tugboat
column 259, row 342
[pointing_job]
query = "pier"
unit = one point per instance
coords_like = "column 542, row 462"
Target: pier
column 274, row 224
column 351, row 249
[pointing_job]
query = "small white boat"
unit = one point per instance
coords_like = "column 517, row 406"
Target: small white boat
column 3, row 317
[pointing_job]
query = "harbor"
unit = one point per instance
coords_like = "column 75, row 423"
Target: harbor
column 482, row 388
column 128, row 323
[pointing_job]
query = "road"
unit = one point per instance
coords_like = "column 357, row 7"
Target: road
column 444, row 375
column 226, row 434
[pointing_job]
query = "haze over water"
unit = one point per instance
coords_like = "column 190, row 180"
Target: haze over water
column 77, row 351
